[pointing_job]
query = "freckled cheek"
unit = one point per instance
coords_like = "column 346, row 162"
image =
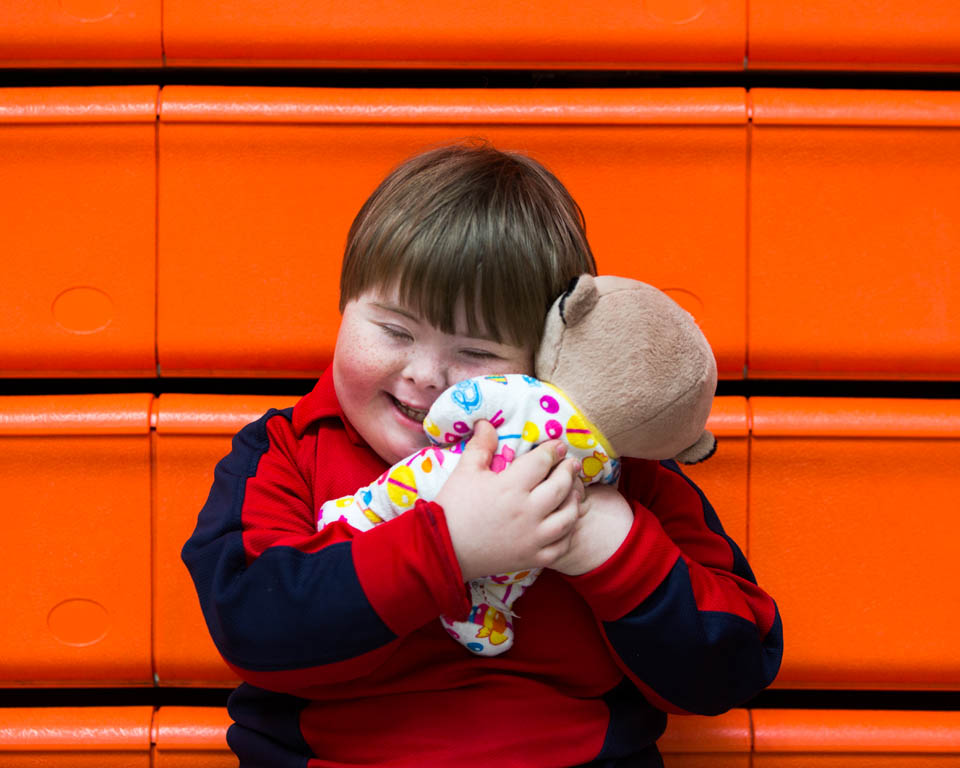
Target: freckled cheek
column 366, row 369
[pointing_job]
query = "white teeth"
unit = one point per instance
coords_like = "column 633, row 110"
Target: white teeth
column 412, row 413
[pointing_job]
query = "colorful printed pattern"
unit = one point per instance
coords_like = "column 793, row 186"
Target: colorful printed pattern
column 525, row 412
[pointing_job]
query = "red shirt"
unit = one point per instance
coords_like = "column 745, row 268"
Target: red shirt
column 336, row 632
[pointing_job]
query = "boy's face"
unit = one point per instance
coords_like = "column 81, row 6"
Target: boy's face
column 390, row 364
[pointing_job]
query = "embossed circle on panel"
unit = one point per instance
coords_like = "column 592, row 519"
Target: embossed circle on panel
column 83, row 309
column 78, row 621
column 686, row 299
column 89, row 10
column 675, row 11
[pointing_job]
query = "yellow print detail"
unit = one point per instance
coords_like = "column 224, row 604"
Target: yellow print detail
column 402, row 487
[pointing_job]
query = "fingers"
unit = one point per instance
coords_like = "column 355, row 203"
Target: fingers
column 558, row 524
column 581, row 492
column 480, row 448
column 531, row 469
column 552, row 492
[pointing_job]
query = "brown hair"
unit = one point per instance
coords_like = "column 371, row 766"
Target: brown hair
column 467, row 220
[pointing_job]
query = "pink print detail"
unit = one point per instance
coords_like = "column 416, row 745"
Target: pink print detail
column 497, row 420
column 460, row 427
column 397, row 483
column 553, row 428
column 549, row 404
column 501, row 460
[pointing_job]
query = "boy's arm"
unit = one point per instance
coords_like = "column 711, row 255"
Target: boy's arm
column 288, row 606
column 678, row 603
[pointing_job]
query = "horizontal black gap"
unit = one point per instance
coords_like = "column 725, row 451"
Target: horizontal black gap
column 157, row 386
column 217, row 697
column 114, row 697
column 890, row 700
column 295, row 387
column 937, row 390
column 481, row 78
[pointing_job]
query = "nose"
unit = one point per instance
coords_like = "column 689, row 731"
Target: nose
column 426, row 370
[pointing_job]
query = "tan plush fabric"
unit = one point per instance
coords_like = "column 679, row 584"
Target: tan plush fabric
column 635, row 363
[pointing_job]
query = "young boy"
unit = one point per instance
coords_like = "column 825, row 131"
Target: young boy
column 449, row 269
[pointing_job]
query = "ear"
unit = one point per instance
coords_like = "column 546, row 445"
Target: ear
column 580, row 297
column 701, row 450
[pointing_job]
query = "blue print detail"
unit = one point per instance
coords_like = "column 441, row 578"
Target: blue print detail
column 614, row 472
column 466, row 394
column 366, row 496
column 531, row 381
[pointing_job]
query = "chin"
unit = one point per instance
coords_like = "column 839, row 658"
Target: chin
column 400, row 448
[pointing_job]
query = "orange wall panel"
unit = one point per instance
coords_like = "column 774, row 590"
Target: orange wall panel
column 855, row 739
column 188, row 737
column 854, row 234
column 707, row 742
column 723, row 477
column 258, row 188
column 75, row 737
column 75, row 471
column 78, row 231
column 192, row 433
column 881, row 35
column 853, row 528
column 80, row 33
column 701, row 34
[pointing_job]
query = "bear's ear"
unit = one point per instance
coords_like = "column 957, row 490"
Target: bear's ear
column 701, row 450
column 580, row 297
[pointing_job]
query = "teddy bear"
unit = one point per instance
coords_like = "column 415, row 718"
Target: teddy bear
column 622, row 370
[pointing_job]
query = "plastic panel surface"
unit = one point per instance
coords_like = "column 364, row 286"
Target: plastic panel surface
column 854, row 234
column 78, row 231
column 75, row 737
column 855, row 739
column 669, row 34
column 187, row 737
column 192, row 433
column 258, row 188
column 75, row 471
column 881, row 35
column 707, row 742
column 723, row 477
column 853, row 527
column 80, row 33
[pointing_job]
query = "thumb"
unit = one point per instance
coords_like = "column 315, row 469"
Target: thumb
column 480, row 448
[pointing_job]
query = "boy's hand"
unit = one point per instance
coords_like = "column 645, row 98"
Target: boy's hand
column 520, row 518
column 605, row 520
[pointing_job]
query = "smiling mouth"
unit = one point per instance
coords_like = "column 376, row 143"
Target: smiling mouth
column 414, row 414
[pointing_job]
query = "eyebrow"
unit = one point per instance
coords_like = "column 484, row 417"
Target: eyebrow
column 411, row 316
column 399, row 310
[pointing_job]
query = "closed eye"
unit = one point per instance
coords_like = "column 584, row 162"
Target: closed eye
column 480, row 354
column 395, row 333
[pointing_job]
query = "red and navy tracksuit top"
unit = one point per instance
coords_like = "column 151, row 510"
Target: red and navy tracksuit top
column 336, row 637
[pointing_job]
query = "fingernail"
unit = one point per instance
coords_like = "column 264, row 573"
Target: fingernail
column 576, row 466
column 561, row 450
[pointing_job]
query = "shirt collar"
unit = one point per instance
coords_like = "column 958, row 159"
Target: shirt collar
column 322, row 403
